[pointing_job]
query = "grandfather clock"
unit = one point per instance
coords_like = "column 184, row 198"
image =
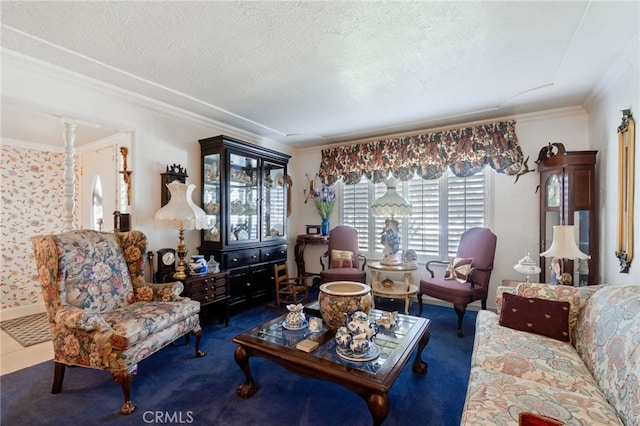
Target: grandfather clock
column 567, row 197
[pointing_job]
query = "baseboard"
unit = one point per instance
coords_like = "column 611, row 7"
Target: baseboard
column 21, row 311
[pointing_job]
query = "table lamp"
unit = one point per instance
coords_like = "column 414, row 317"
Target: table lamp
column 391, row 204
column 180, row 213
column 564, row 247
column 527, row 266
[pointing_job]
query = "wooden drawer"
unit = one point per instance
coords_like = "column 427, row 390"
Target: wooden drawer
column 239, row 258
column 207, row 289
column 272, row 254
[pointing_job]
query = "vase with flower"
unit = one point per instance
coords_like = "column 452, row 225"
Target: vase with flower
column 325, row 198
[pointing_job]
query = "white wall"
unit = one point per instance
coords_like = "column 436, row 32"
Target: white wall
column 619, row 91
column 164, row 135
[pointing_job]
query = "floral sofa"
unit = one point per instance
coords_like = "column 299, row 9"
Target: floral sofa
column 102, row 313
column 592, row 380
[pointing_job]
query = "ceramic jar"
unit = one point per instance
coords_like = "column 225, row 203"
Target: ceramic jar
column 198, row 265
column 340, row 298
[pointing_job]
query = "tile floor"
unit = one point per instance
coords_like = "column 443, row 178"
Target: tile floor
column 14, row 357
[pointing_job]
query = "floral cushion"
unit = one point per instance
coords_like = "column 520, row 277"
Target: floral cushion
column 530, row 356
column 494, row 398
column 96, row 274
column 609, row 344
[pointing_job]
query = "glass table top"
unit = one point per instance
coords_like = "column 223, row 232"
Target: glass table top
column 386, row 340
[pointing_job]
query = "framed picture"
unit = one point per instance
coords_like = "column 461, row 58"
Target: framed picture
column 313, row 229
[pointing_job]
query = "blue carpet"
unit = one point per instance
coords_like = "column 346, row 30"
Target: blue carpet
column 174, row 387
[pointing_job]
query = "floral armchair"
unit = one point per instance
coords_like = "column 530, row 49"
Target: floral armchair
column 102, row 313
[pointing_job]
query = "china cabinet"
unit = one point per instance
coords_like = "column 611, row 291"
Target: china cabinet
column 245, row 199
column 567, row 197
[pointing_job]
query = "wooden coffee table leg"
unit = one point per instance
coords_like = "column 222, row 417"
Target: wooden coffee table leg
column 419, row 366
column 249, row 387
column 378, row 404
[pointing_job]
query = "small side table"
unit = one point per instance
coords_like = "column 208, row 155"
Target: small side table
column 405, row 289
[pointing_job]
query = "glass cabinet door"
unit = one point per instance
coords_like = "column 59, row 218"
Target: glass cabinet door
column 211, row 196
column 274, row 201
column 243, row 198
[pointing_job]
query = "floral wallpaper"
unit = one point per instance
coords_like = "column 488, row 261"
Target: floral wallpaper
column 32, row 204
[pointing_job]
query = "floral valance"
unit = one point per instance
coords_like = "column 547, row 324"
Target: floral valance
column 465, row 151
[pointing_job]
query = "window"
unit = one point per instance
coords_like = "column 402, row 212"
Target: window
column 442, row 210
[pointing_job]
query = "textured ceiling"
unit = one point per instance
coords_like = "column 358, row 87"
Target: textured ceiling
column 311, row 73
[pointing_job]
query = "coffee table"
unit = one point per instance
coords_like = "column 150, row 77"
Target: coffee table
column 371, row 380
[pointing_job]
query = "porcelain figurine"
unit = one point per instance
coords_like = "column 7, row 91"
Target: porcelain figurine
column 387, row 320
column 295, row 317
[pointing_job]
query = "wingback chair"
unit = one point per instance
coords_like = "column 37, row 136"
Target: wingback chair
column 467, row 277
column 102, row 313
column 345, row 262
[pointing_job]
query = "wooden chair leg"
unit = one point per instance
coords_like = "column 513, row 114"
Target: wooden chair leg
column 460, row 311
column 125, row 378
column 58, row 377
column 419, row 304
column 198, row 334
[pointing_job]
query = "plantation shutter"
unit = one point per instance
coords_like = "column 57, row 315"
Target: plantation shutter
column 355, row 211
column 465, row 207
column 442, row 209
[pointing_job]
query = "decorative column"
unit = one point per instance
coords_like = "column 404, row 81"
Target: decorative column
column 69, row 174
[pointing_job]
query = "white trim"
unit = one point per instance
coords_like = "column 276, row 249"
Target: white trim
column 21, row 311
column 31, row 145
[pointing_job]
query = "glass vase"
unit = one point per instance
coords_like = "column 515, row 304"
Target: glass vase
column 324, row 227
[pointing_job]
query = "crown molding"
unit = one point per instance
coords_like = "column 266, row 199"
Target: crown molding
column 58, row 73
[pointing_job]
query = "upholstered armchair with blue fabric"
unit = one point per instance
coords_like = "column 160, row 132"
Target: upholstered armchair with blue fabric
column 102, row 313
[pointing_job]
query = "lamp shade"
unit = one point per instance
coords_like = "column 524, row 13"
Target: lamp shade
column 391, row 203
column 564, row 244
column 180, row 212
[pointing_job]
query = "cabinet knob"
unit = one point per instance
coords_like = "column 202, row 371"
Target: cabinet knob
column 254, row 257
column 267, row 255
column 234, row 259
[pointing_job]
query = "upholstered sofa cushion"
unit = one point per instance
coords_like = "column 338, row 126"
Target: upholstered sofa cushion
column 609, row 345
column 495, row 398
column 140, row 320
column 530, row 356
column 541, row 316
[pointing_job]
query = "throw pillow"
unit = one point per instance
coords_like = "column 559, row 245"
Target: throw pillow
column 459, row 269
column 531, row 419
column 540, row 316
column 341, row 259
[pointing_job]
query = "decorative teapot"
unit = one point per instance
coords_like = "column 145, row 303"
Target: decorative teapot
column 359, row 324
column 295, row 317
column 387, row 320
